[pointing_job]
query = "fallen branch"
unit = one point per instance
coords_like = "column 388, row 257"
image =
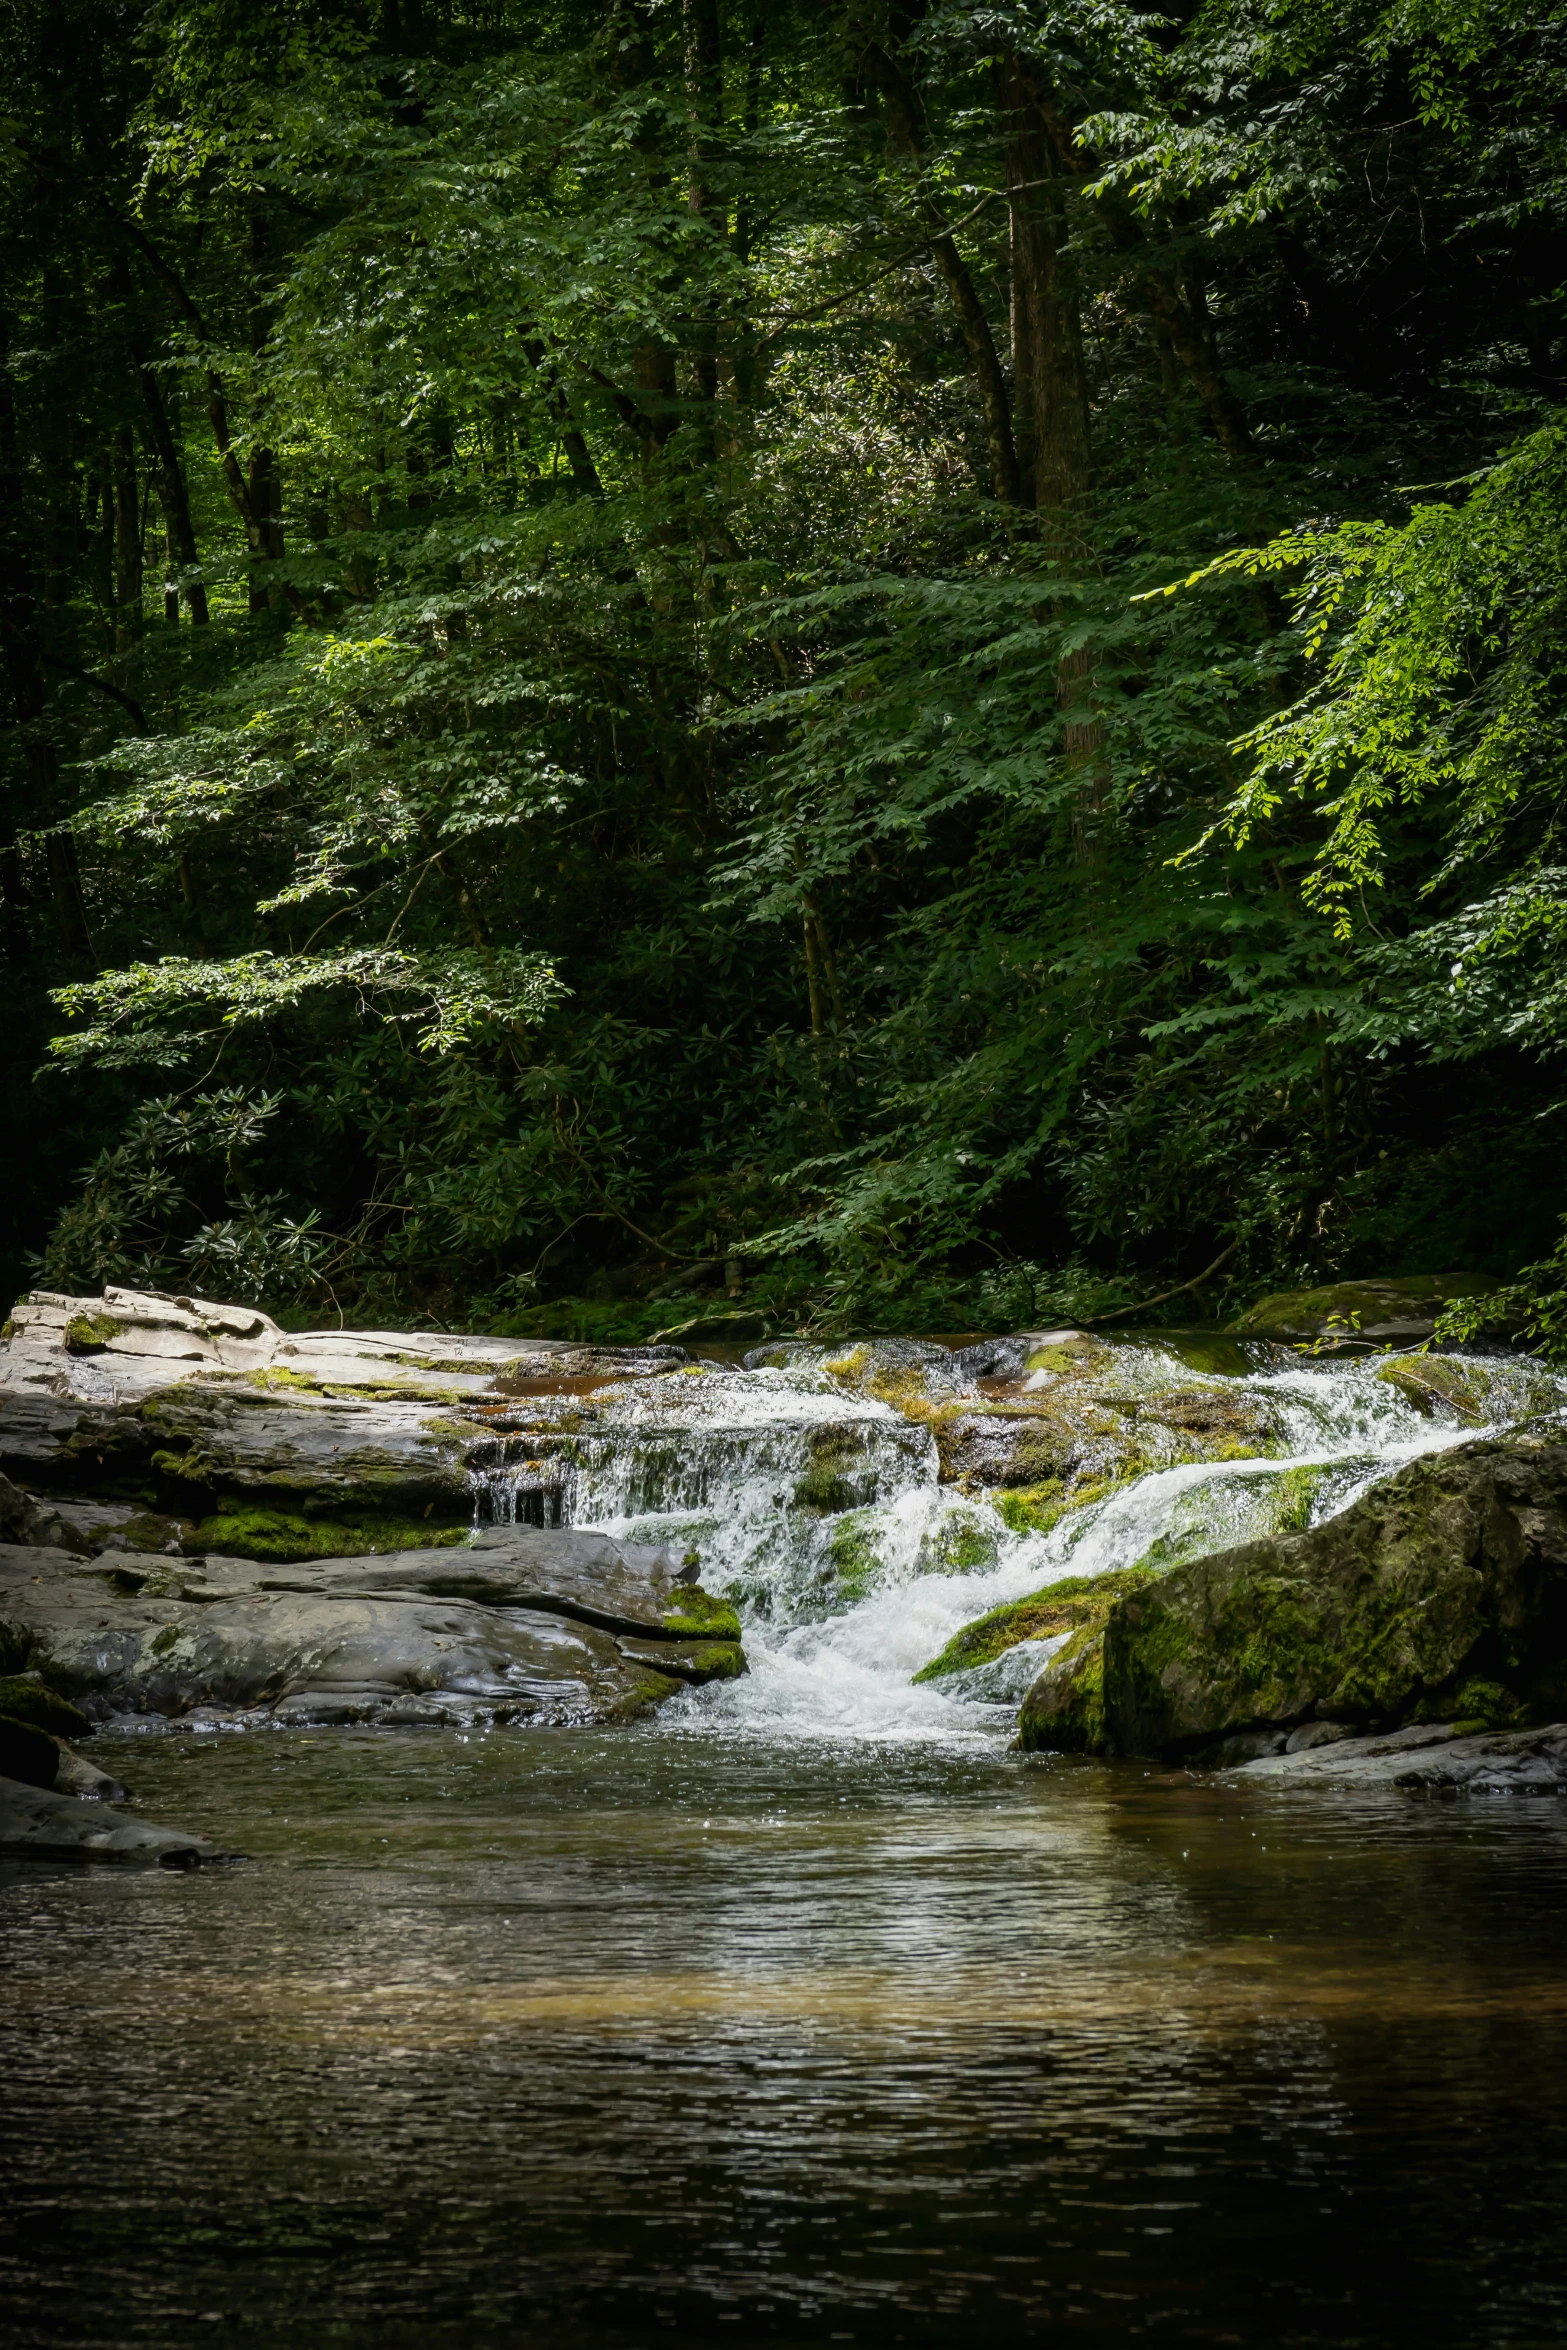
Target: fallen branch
column 1179, row 1290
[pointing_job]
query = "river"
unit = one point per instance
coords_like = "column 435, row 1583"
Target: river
column 808, row 2011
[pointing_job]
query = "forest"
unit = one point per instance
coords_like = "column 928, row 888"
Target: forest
column 878, row 665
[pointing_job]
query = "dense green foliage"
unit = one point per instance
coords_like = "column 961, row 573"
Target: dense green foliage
column 656, row 649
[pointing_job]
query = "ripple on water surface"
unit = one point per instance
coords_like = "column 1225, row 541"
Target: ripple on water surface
column 672, row 2037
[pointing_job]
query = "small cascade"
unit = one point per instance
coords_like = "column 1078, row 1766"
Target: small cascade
column 809, row 1486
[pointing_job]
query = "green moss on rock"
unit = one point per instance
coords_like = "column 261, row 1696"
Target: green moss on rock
column 694, row 1614
column 26, row 1698
column 1395, row 1310
column 1064, row 1712
column 285, row 1537
column 1442, row 1591
column 1032, row 1509
column 83, row 1332
column 1060, row 1607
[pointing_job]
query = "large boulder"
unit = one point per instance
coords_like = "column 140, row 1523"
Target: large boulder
column 1439, row 1595
column 140, row 1421
column 525, row 1626
column 1361, row 1315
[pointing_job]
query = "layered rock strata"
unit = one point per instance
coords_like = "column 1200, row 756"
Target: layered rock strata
column 206, row 1518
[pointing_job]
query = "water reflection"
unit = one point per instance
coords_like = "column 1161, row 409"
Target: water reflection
column 653, row 2038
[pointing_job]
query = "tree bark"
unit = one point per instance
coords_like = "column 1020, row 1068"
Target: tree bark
column 256, row 524
column 1190, row 336
column 127, row 545
column 705, row 95
column 24, row 667
column 173, row 493
column 879, row 67
column 1048, row 340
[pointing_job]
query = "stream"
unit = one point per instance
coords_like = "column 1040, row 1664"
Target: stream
column 807, row 2011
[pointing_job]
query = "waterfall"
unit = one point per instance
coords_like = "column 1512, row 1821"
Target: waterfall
column 807, row 1484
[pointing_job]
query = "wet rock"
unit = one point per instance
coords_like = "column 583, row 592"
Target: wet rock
column 1000, row 1447
column 696, row 1661
column 1427, row 1760
column 1441, row 1592
column 1362, row 1314
column 37, row 1824
column 27, row 1697
column 1072, row 1604
column 27, row 1755
column 520, row 1626
column 77, row 1776
column 1024, row 1351
column 127, row 1344
column 1311, row 1735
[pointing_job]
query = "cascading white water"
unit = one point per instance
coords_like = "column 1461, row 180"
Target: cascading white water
column 816, row 1506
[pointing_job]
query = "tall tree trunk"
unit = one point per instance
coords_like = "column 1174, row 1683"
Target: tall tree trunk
column 705, row 96
column 127, row 547
column 1053, row 392
column 24, row 668
column 633, row 61
column 263, row 531
column 750, row 368
column 173, row 491
column 1047, row 329
column 877, row 65
column 1157, row 280
column 263, row 482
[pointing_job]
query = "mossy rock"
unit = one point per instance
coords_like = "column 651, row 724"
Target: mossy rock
column 1440, row 1383
column 856, row 1560
column 693, row 1661
column 694, row 1614
column 1485, row 1705
column 1066, row 1355
column 284, row 1538
column 1390, row 1312
column 277, row 1379
column 85, row 1332
column 836, row 1477
column 1443, row 1588
column 26, row 1698
column 1032, row 1509
column 964, row 1541
column 1064, row 1712
column 1060, row 1607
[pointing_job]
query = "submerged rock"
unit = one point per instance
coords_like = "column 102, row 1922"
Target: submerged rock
column 36, row 1824
column 1430, row 1760
column 1441, row 1593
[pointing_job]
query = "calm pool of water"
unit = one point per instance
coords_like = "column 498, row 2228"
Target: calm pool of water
column 666, row 2037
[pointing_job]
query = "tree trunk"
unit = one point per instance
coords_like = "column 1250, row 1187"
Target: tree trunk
column 877, row 66
column 173, row 492
column 127, row 546
column 705, row 96
column 24, row 666
column 1047, row 330
column 1053, row 392
column 263, row 484
column 750, row 367
column 1157, row 282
